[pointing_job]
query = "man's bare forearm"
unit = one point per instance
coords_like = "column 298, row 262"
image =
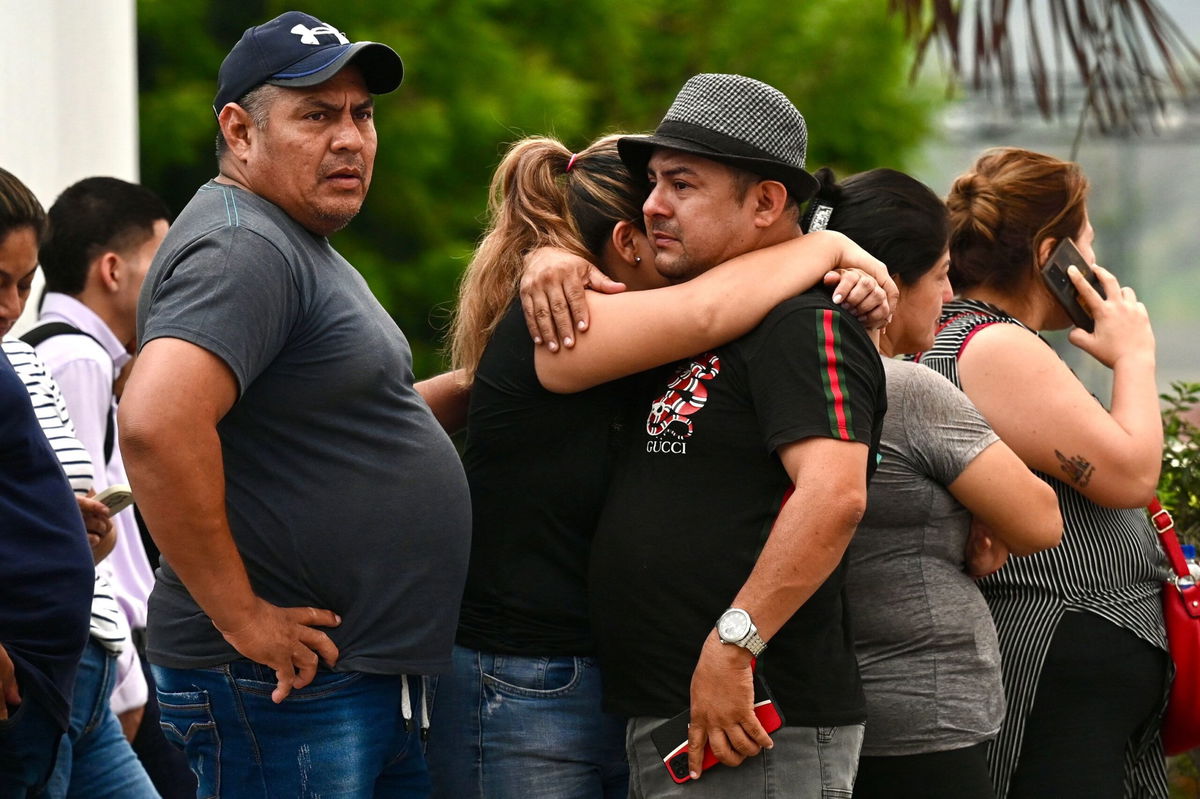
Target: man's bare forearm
column 168, row 422
column 805, row 546
column 812, row 530
column 178, row 478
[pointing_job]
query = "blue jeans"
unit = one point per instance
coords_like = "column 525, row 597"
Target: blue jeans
column 805, row 763
column 165, row 764
column 29, row 741
column 344, row 735
column 95, row 759
column 513, row 727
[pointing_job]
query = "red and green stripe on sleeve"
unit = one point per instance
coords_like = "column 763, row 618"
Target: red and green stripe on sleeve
column 833, row 375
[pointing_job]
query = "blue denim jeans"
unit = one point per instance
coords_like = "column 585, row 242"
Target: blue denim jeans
column 95, row 760
column 165, row 764
column 29, row 741
column 805, row 763
column 513, row 727
column 344, row 735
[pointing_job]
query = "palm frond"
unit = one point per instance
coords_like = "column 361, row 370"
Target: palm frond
column 1128, row 54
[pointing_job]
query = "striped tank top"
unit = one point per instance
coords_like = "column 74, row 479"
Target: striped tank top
column 1109, row 563
column 108, row 626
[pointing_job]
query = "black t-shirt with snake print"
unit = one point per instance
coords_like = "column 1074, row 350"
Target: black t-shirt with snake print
column 694, row 498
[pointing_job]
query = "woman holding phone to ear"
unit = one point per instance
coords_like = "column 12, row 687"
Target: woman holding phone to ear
column 1080, row 626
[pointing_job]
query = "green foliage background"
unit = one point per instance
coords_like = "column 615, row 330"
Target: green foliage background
column 1179, row 485
column 481, row 73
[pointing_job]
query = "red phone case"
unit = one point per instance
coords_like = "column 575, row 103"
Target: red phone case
column 671, row 738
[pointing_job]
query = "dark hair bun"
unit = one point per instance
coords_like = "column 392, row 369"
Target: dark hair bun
column 828, row 190
column 828, row 193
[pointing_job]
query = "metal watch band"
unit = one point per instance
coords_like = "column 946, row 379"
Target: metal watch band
column 753, row 643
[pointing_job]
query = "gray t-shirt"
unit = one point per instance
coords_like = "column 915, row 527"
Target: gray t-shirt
column 924, row 638
column 342, row 490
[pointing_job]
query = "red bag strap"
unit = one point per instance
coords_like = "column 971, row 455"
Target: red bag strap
column 1189, row 591
column 1165, row 526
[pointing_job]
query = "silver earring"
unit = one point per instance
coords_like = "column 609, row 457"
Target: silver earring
column 637, row 260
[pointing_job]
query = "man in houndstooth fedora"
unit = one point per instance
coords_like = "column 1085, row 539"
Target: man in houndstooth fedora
column 697, row 570
column 744, row 124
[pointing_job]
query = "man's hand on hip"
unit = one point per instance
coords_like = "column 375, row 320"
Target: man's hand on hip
column 285, row 639
column 723, row 707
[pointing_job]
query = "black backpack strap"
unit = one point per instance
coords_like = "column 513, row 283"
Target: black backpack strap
column 48, row 330
column 40, row 333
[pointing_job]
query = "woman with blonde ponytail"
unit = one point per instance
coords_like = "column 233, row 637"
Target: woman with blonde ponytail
column 520, row 716
column 1080, row 626
column 526, row 205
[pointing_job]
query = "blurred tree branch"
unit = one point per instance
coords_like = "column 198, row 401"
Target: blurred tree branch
column 1127, row 54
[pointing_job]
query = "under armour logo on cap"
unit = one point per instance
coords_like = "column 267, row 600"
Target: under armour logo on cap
column 735, row 120
column 309, row 35
column 296, row 49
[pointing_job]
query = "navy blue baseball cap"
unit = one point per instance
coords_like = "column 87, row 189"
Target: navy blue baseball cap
column 296, row 49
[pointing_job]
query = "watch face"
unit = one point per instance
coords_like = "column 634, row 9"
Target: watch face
column 733, row 625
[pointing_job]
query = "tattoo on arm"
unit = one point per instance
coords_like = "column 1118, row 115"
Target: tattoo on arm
column 1079, row 470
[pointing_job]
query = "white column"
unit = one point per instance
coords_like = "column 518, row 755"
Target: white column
column 68, row 87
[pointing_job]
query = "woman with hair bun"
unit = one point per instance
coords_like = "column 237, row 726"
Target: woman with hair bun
column 923, row 635
column 1080, row 626
column 520, row 715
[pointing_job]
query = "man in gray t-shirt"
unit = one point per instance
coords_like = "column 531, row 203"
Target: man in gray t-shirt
column 312, row 515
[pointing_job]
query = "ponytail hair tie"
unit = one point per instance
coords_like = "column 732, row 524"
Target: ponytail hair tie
column 571, row 163
column 820, row 217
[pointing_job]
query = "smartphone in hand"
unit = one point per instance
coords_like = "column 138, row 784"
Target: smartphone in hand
column 671, row 737
column 117, row 497
column 1054, row 273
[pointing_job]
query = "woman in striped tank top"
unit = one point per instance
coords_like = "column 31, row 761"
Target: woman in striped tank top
column 1080, row 626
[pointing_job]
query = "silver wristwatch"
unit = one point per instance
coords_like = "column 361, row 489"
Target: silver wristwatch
column 735, row 627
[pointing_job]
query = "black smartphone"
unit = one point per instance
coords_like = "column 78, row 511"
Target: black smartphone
column 671, row 737
column 1054, row 273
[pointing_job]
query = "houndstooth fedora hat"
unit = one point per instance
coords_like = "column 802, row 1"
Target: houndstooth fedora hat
column 735, row 120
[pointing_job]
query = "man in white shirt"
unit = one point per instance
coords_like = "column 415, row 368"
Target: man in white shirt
column 104, row 233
